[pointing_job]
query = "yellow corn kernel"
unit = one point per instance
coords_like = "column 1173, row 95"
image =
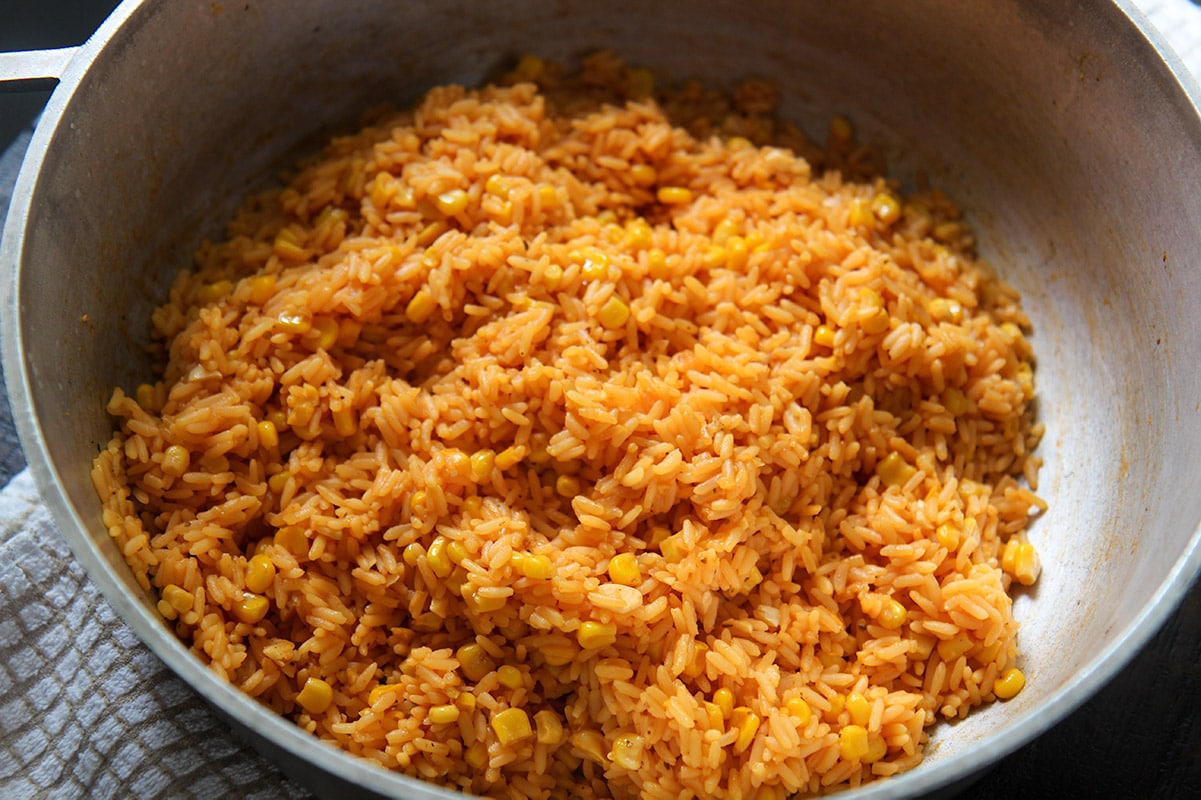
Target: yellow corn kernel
column 824, row 336
column 713, row 716
column 473, row 505
column 1020, row 560
column 477, row 756
column 144, row 394
column 672, row 548
column 594, row 266
column 548, row 196
column 420, row 306
column 260, row 573
column 176, row 459
column 951, row 649
column 345, row 423
column 886, row 207
column 696, row 667
column 627, row 751
column 482, row 462
column 377, row 693
column 316, row 696
column 798, row 708
column 510, row 677
column 438, row 559
column 538, row 567
column 894, row 471
column 252, row 608
column 511, row 725
column 567, row 486
column 293, row 322
column 484, row 603
column 837, row 703
column 643, row 175
column 614, row 312
column 944, row 309
column 261, row 288
column 656, row 264
column 268, row 435
column 638, row 234
column 873, row 317
column 412, row 553
column 737, row 143
column 724, row 230
column 457, row 462
column 498, row 185
column 746, row 722
column 723, row 698
column 859, row 708
column 877, row 748
column 852, row 742
column 508, row 457
column 550, row 729
column 860, row 214
column 451, row 202
column 595, row 635
column 177, row 597
column 466, row 701
column 474, row 661
column 457, row 551
column 624, row 569
column 293, row 540
column 892, row 614
column 947, row 232
column 326, row 329
column 1009, row 684
column 948, row 536
column 674, row 195
column 841, row 129
column 430, row 233
column 552, row 276
column 443, row 715
column 737, row 253
column 714, row 257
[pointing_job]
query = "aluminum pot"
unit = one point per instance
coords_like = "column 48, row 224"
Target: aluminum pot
column 1067, row 131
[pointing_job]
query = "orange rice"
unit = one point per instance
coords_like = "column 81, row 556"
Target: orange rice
column 569, row 437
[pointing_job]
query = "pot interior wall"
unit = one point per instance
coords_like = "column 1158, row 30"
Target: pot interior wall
column 1046, row 138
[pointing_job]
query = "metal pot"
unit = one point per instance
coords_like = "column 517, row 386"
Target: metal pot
column 1070, row 136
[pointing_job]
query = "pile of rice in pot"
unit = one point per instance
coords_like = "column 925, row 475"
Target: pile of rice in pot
column 569, row 437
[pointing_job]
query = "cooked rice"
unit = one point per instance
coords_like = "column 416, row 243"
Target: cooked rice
column 479, row 333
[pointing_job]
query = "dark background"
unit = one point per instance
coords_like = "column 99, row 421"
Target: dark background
column 1139, row 737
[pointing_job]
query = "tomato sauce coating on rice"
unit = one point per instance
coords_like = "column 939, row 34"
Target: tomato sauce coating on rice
column 568, row 437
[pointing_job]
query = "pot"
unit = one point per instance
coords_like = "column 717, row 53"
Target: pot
column 1067, row 131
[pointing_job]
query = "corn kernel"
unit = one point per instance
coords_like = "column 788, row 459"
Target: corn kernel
column 252, row 608
column 798, row 708
column 860, row 214
column 852, row 742
column 824, row 336
column 737, row 253
column 511, row 725
column 949, row 650
column 438, row 559
column 316, row 696
column 267, row 434
column 474, row 661
column 145, row 396
column 567, row 486
column 444, row 715
column 473, row 505
column 837, row 703
column 288, row 250
column 179, row 598
column 595, row 265
column 466, row 701
column 627, row 751
column 293, row 322
column 943, row 309
column 638, row 234
column 457, row 551
column 260, row 573
column 714, row 257
column 674, row 195
column 261, row 288
column 510, row 677
column 624, row 569
column 508, row 457
column 176, row 459
column 345, row 424
column 737, row 143
column 420, row 306
column 484, row 603
column 673, row 548
column 1009, row 684
column 714, row 717
column 723, row 698
column 656, row 264
column 892, row 614
column 894, row 471
column 595, row 635
column 877, row 748
column 614, row 312
column 696, row 666
column 293, row 540
column 498, row 185
column 413, row 553
column 1020, row 560
column 430, row 233
column 538, row 567
column 859, row 708
column 886, row 207
column 482, row 462
column 947, row 232
column 873, row 316
column 548, row 196
column 451, row 202
column 643, row 175
column 550, row 729
column 552, row 276
column 377, row 693
column 948, row 536
column 746, row 722
column 477, row 756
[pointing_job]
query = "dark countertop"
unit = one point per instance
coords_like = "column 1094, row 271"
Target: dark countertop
column 1139, row 737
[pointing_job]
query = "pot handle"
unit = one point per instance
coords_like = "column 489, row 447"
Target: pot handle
column 33, row 70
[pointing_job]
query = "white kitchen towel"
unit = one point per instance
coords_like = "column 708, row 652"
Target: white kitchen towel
column 86, row 710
